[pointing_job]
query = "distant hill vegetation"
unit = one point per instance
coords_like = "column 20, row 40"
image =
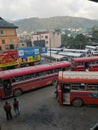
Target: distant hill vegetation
column 37, row 24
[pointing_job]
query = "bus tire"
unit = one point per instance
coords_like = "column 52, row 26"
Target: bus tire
column 77, row 102
column 54, row 82
column 17, row 92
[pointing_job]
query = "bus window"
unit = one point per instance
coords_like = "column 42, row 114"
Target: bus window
column 78, row 86
column 80, row 63
column 92, row 86
column 65, row 88
column 18, row 78
column 67, row 68
column 49, row 71
column 56, row 70
column 28, row 76
column 41, row 74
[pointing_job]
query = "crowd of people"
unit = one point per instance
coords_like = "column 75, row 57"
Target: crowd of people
column 8, row 109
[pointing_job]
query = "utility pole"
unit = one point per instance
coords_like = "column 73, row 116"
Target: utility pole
column 50, row 48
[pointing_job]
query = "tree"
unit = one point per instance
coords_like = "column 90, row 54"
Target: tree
column 81, row 41
column 95, row 32
column 78, row 42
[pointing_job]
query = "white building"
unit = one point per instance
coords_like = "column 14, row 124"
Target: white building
column 50, row 38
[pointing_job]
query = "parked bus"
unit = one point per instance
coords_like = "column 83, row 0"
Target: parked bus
column 85, row 63
column 55, row 49
column 15, row 82
column 78, row 88
column 71, row 55
column 84, row 52
column 56, row 57
column 92, row 49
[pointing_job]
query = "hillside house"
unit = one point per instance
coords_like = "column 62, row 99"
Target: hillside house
column 8, row 35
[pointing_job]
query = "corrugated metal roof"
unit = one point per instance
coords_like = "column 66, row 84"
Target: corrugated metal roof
column 5, row 24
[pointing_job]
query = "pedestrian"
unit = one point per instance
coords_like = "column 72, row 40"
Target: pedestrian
column 56, row 89
column 7, row 109
column 16, row 107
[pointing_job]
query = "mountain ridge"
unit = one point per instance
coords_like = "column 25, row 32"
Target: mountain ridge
column 34, row 24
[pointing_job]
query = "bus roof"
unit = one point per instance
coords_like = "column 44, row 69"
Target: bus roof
column 85, row 59
column 77, row 76
column 56, row 56
column 90, row 47
column 72, row 54
column 75, row 50
column 31, row 69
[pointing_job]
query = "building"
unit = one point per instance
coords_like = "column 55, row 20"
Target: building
column 8, row 35
column 47, row 39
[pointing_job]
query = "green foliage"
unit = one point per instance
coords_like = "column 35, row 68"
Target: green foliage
column 95, row 32
column 78, row 42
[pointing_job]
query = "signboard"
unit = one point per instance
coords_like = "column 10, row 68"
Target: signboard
column 43, row 50
column 29, row 51
column 8, row 58
column 39, row 43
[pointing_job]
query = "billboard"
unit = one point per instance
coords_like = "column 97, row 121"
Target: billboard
column 39, row 43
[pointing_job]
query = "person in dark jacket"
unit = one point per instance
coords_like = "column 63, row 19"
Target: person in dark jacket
column 7, row 109
column 16, row 107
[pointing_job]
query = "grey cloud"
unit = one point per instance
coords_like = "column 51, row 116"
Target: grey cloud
column 18, row 9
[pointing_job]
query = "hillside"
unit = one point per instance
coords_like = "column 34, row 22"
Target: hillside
column 36, row 24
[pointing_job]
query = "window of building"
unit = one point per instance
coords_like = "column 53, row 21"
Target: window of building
column 11, row 41
column 0, row 48
column 3, row 41
column 46, row 42
column 7, row 47
column 46, row 37
column 1, row 32
column 58, row 33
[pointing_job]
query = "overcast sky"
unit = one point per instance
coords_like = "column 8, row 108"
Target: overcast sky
column 19, row 9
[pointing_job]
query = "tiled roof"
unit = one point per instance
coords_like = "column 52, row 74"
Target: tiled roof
column 5, row 24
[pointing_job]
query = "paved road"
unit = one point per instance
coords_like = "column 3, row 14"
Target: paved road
column 40, row 111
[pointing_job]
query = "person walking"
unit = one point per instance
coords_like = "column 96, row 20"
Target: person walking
column 16, row 107
column 7, row 109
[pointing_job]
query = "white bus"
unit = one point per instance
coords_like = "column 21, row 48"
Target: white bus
column 55, row 50
column 56, row 57
column 71, row 55
column 92, row 49
column 82, row 51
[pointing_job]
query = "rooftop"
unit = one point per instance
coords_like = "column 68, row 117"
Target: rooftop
column 5, row 24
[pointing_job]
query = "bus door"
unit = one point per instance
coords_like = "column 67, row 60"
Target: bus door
column 66, row 94
column 7, row 87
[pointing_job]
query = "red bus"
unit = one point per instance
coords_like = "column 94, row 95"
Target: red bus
column 78, row 88
column 15, row 82
column 85, row 63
